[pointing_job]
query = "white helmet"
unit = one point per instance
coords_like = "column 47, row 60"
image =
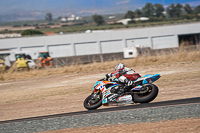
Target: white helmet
column 119, row 66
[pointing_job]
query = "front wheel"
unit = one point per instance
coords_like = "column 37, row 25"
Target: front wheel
column 150, row 95
column 93, row 101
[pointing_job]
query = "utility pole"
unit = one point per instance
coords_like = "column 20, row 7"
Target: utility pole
column 94, row 6
column 163, row 2
column 125, row 5
column 174, row 1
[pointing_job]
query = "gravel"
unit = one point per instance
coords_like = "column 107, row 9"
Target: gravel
column 97, row 119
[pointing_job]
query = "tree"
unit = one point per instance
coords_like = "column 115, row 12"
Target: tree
column 197, row 10
column 158, row 10
column 129, row 14
column 49, row 17
column 188, row 12
column 148, row 10
column 188, row 9
column 178, row 10
column 171, row 10
column 98, row 19
column 138, row 13
column 174, row 12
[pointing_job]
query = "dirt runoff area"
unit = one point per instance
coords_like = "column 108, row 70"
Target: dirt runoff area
column 63, row 93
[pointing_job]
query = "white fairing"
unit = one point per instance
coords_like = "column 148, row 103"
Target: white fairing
column 122, row 78
column 126, row 98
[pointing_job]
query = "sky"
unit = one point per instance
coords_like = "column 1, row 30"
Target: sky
column 77, row 7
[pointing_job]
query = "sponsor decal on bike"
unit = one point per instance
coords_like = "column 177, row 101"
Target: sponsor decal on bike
column 125, row 98
column 106, row 93
column 113, row 104
column 112, row 97
column 137, row 88
column 105, row 100
column 150, row 80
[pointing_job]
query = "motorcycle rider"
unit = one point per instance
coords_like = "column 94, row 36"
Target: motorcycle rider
column 125, row 75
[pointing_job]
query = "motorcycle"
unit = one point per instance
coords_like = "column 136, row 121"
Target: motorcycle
column 105, row 92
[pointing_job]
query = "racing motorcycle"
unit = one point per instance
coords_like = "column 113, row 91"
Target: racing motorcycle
column 105, row 92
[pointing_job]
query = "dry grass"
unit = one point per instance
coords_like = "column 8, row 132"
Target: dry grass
column 181, row 56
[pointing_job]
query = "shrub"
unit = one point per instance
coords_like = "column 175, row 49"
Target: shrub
column 26, row 25
column 50, row 24
column 16, row 25
column 65, row 25
column 31, row 32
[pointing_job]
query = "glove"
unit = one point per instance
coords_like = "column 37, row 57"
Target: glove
column 129, row 82
column 106, row 77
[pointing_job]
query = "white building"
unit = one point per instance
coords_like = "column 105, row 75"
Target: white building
column 78, row 44
column 141, row 19
column 124, row 21
column 63, row 19
column 71, row 18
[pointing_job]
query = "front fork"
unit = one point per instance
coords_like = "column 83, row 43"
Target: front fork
column 96, row 95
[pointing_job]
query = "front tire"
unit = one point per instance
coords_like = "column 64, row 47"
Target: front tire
column 93, row 103
column 147, row 97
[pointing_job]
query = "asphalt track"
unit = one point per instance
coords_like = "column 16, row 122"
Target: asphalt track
column 120, row 108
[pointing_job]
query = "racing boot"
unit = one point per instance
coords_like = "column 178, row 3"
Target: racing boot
column 129, row 85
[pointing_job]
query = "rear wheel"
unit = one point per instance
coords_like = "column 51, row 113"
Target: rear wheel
column 148, row 96
column 93, row 101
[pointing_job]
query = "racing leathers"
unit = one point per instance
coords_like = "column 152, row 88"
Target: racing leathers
column 126, row 76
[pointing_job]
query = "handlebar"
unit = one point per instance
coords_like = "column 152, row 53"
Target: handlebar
column 103, row 79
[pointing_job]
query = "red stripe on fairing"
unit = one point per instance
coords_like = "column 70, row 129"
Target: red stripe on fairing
column 132, row 77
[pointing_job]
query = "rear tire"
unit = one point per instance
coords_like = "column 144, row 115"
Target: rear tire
column 148, row 96
column 89, row 105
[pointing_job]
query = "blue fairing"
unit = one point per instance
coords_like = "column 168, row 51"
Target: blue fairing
column 97, row 83
column 150, row 78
